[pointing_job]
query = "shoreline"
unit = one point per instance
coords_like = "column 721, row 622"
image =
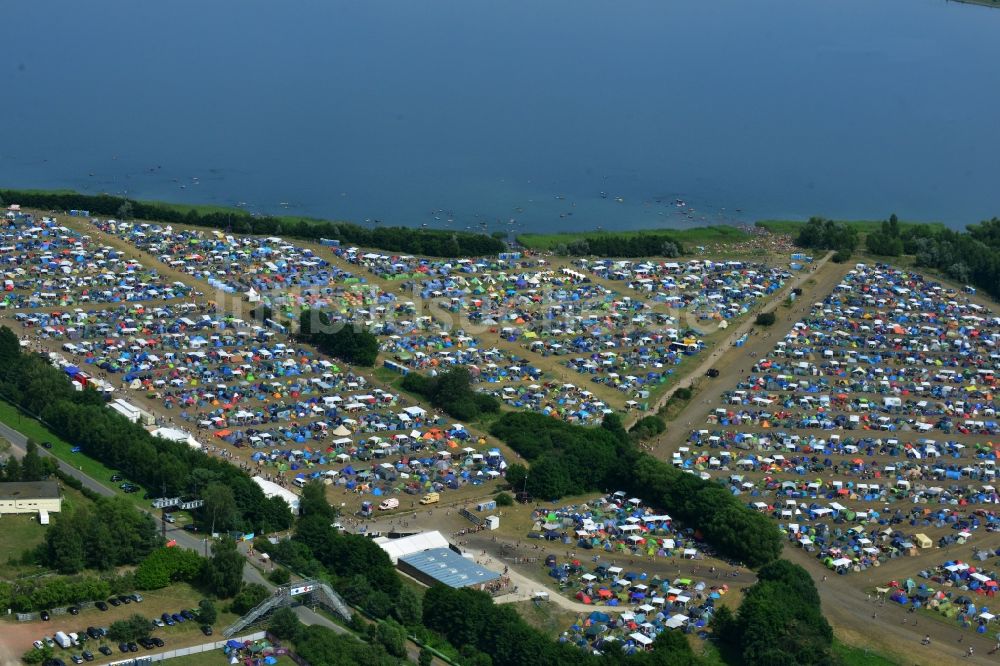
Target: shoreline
column 718, row 233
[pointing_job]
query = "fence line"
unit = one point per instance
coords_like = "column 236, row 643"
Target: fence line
column 183, row 652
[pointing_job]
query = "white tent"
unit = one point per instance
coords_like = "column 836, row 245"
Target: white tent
column 176, row 435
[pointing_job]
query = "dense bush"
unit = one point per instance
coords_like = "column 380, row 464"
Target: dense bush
column 565, row 459
column 130, row 629
column 452, row 392
column 111, row 534
column 32, row 594
column 432, row 242
column 104, row 435
column 249, row 597
column 168, row 565
column 653, row 244
column 470, row 618
column 765, row 319
column 779, row 621
column 647, row 427
column 320, row 646
column 341, row 339
column 970, row 258
column 886, row 242
column 284, row 624
column 822, row 234
column 568, row 459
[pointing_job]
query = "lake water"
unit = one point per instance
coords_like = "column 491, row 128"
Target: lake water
column 480, row 113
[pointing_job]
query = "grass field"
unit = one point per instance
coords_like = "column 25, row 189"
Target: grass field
column 20, row 532
column 855, row 656
column 793, row 227
column 23, row 532
column 695, row 236
column 61, row 449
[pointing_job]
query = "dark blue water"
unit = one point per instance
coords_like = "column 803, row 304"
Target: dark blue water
column 484, row 112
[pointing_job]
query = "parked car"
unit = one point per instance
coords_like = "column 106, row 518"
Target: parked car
column 137, row 598
column 157, row 641
column 123, row 647
column 125, row 598
column 45, row 616
column 178, row 618
column 116, row 477
column 207, row 630
column 105, row 650
column 93, row 633
column 76, row 659
column 132, row 647
column 87, row 655
column 73, row 610
column 114, row 602
column 101, row 606
column 39, row 645
column 187, row 615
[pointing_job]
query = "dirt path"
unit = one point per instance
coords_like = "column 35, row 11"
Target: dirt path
column 856, row 619
column 727, row 359
column 734, row 362
column 867, row 623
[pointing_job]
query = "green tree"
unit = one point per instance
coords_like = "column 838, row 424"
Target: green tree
column 31, row 466
column 392, row 636
column 279, row 576
column 207, row 614
column 426, row 657
column 12, row 470
column 613, row 423
column 224, row 572
column 516, row 475
column 130, row 629
column 65, row 545
column 408, row 609
column 249, row 597
column 378, row 604
column 285, row 624
column 765, row 319
column 313, row 502
column 10, row 353
column 125, row 210
column 220, row 510
column 36, row 656
column 504, row 499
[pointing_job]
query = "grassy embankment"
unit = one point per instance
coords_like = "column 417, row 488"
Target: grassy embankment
column 792, row 227
column 695, row 236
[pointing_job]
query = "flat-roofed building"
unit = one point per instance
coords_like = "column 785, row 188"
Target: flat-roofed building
column 30, row 497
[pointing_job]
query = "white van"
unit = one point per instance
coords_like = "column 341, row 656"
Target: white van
column 391, row 503
column 299, row 482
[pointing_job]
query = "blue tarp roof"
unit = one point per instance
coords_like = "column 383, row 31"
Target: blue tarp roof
column 449, row 568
